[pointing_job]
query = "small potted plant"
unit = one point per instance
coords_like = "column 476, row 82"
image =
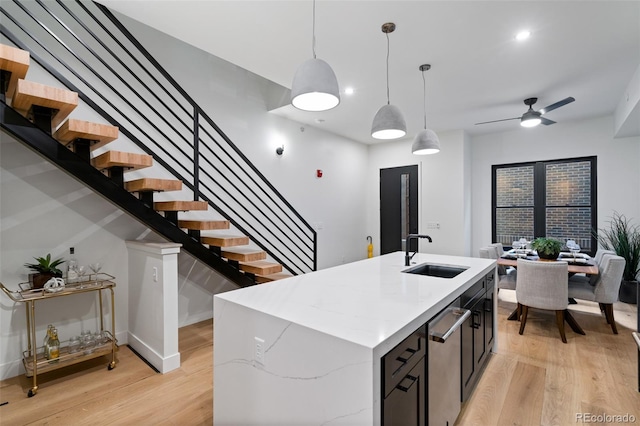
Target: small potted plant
column 547, row 248
column 44, row 270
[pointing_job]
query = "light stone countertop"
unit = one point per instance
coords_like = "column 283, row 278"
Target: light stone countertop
column 370, row 302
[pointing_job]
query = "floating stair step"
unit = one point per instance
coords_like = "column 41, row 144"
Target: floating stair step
column 242, row 254
column 16, row 62
column 261, row 267
column 203, row 225
column 29, row 94
column 260, row 279
column 151, row 184
column 126, row 160
column 73, row 129
column 180, row 206
column 225, row 240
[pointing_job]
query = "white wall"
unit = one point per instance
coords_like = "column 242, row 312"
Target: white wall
column 618, row 171
column 443, row 191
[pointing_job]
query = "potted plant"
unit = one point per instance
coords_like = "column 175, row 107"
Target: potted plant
column 623, row 237
column 547, row 248
column 45, row 269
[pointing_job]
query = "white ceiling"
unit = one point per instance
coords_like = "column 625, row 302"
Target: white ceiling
column 585, row 49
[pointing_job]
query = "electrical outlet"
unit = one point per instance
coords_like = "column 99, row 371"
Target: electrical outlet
column 260, row 347
column 155, row 274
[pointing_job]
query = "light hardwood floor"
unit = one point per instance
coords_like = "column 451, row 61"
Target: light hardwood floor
column 533, row 379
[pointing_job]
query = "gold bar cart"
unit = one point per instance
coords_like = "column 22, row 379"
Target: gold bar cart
column 33, row 358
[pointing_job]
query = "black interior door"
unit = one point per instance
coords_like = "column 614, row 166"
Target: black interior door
column 398, row 207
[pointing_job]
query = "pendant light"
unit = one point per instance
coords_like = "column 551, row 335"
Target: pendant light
column 426, row 141
column 315, row 86
column 388, row 122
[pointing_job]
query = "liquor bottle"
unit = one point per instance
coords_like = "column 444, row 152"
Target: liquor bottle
column 47, row 339
column 72, row 265
column 54, row 345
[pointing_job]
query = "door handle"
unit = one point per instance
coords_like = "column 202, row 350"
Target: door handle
column 442, row 338
column 413, row 379
column 476, row 324
column 404, row 360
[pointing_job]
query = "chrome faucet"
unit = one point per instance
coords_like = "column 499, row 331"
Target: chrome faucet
column 407, row 258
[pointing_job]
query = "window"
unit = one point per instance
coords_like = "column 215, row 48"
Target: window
column 547, row 198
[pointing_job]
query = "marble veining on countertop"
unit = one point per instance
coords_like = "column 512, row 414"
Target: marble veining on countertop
column 364, row 302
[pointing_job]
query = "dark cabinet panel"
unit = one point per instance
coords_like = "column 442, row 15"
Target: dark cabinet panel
column 405, row 405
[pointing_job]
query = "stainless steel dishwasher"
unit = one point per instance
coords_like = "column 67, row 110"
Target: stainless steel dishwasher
column 443, row 352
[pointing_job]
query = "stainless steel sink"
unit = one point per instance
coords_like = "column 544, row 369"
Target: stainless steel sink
column 433, row 270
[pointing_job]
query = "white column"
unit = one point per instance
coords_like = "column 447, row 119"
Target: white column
column 153, row 302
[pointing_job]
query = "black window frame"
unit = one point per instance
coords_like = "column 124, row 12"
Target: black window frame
column 539, row 195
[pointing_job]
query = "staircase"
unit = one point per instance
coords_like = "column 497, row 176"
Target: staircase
column 49, row 109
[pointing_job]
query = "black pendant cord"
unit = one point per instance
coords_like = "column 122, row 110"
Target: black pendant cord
column 424, row 99
column 388, row 100
column 313, row 29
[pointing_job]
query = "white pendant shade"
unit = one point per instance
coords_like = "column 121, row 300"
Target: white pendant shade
column 388, row 123
column 315, row 86
column 426, row 142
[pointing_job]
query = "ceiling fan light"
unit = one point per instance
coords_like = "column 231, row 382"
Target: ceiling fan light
column 315, row 86
column 530, row 119
column 388, row 123
column 426, row 142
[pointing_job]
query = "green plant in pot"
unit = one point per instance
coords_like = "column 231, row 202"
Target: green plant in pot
column 547, row 248
column 44, row 269
column 623, row 237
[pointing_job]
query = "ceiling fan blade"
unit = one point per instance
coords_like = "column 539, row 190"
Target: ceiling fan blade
column 496, row 121
column 556, row 105
column 546, row 121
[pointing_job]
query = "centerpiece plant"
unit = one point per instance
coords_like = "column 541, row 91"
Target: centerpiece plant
column 45, row 269
column 547, row 248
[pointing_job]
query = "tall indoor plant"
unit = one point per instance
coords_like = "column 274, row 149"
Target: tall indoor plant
column 623, row 237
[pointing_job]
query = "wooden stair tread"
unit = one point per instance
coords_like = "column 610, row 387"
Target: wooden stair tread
column 260, row 279
column 73, row 129
column 261, row 267
column 15, row 61
column 225, row 240
column 179, row 206
column 152, row 184
column 128, row 160
column 244, row 254
column 28, row 93
column 203, row 225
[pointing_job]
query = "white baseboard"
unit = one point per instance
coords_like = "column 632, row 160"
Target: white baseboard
column 162, row 364
column 11, row 369
column 199, row 317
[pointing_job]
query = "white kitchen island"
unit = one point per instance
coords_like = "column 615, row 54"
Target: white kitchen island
column 307, row 350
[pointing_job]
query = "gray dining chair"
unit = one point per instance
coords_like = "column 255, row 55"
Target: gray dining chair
column 591, row 279
column 506, row 280
column 606, row 287
column 542, row 285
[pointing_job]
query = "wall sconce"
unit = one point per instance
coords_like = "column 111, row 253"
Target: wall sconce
column 280, row 150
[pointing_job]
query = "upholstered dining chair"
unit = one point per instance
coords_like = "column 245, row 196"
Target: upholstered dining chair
column 542, row 285
column 606, row 287
column 505, row 280
column 592, row 279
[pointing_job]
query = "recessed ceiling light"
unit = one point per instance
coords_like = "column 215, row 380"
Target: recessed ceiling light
column 523, row 35
column 348, row 91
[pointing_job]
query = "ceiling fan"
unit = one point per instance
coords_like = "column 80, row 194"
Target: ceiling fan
column 532, row 118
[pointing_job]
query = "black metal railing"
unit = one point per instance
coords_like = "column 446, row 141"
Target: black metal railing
column 84, row 46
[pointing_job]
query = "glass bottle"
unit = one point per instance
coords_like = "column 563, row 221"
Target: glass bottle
column 54, row 345
column 72, row 266
column 47, row 339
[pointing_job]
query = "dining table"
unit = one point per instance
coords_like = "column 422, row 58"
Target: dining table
column 577, row 264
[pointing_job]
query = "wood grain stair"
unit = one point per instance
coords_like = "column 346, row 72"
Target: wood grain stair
column 146, row 187
column 242, row 254
column 76, row 134
column 14, row 63
column 260, row 267
column 194, row 227
column 46, row 106
column 225, row 240
column 171, row 208
column 115, row 163
column 261, row 279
